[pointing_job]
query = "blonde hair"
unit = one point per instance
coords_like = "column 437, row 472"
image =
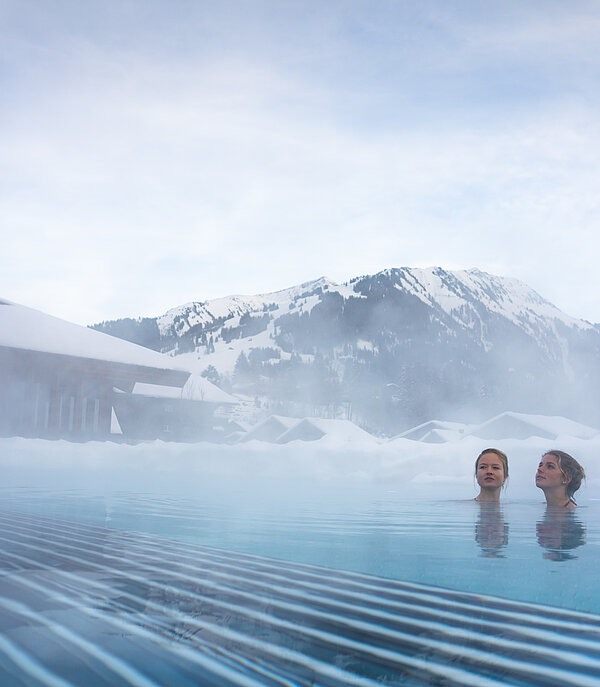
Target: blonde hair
column 570, row 469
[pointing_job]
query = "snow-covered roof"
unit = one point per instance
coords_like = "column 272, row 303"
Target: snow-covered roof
column 29, row 329
column 196, row 388
column 511, row 425
column 441, row 436
column 271, row 428
column 311, row 429
column 419, row 432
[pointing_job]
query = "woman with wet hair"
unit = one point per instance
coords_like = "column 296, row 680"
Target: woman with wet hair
column 491, row 473
column 559, row 476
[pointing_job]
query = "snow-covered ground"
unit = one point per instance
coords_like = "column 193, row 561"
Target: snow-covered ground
column 403, row 465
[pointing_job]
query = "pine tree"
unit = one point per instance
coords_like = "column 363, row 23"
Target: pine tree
column 242, row 370
column 211, row 373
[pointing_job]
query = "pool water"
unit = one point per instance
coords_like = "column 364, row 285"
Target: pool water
column 362, row 587
column 518, row 550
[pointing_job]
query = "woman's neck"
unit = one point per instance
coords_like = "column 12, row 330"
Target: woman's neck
column 490, row 494
column 558, row 498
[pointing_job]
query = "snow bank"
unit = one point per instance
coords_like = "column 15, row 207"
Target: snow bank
column 402, row 465
column 511, row 424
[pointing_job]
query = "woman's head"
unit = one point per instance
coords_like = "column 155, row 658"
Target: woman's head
column 571, row 472
column 491, row 468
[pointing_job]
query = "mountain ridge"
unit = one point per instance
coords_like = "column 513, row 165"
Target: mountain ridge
column 398, row 346
column 255, row 302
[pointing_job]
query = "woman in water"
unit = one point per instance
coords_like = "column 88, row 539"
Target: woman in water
column 559, row 476
column 491, row 472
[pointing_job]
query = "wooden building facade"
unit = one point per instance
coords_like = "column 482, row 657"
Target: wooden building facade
column 57, row 396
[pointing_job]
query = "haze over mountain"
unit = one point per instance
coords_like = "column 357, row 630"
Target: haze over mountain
column 389, row 350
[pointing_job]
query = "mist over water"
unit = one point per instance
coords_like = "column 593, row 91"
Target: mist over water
column 399, row 509
column 297, row 470
column 142, row 534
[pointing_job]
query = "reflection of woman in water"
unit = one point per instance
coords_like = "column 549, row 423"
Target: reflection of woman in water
column 491, row 472
column 491, row 532
column 559, row 531
column 559, row 476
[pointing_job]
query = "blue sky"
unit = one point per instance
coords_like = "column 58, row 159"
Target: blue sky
column 156, row 153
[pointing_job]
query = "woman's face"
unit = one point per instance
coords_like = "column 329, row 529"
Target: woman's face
column 490, row 471
column 549, row 474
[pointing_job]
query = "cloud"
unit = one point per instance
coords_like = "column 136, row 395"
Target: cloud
column 135, row 179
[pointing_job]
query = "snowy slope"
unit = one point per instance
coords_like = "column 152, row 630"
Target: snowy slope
column 395, row 348
column 230, row 310
column 469, row 296
column 467, row 299
column 455, row 293
column 452, row 291
column 180, row 319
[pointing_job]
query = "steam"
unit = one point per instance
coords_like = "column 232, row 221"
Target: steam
column 300, row 468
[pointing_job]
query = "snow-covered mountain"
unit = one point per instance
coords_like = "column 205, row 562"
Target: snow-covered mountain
column 465, row 296
column 398, row 346
column 178, row 321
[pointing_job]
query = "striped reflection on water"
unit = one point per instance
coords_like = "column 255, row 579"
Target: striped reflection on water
column 89, row 605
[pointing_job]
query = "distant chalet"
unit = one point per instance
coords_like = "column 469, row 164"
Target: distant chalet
column 60, row 380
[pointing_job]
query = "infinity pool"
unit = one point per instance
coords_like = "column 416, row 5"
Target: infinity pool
column 361, row 587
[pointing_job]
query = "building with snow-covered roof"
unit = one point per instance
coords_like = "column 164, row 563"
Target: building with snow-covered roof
column 57, row 378
column 152, row 411
column 234, row 430
column 434, row 431
column 511, row 425
column 441, row 436
column 313, row 429
column 270, row 429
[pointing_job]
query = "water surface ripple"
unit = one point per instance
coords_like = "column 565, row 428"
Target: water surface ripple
column 84, row 604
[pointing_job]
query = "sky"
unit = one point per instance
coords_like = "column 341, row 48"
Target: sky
column 156, row 153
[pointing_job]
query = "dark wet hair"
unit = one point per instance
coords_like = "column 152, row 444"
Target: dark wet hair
column 503, row 459
column 570, row 468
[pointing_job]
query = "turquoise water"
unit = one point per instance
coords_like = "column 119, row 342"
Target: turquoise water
column 323, row 587
column 520, row 550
